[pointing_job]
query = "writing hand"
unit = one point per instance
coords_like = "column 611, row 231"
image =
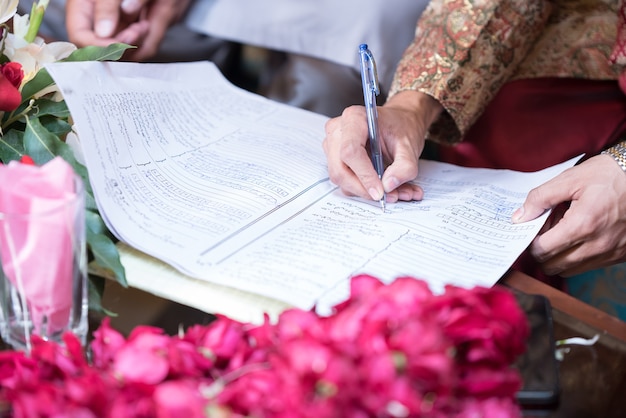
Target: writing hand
column 403, row 122
column 592, row 231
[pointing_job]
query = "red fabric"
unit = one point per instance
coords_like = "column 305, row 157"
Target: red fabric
column 533, row 124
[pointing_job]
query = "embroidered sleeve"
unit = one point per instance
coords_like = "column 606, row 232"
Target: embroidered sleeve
column 466, row 51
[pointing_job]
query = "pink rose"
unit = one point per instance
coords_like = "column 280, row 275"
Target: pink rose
column 143, row 359
column 487, row 323
column 394, row 350
column 106, row 343
column 224, row 338
column 16, row 369
column 59, row 360
column 91, row 389
column 483, row 381
column 295, row 323
column 258, row 390
column 179, row 399
column 185, row 360
column 428, row 354
column 132, row 400
column 491, row 407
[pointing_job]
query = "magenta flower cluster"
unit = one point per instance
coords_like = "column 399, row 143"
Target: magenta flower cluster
column 392, row 350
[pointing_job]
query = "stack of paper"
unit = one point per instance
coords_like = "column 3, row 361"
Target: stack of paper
column 232, row 190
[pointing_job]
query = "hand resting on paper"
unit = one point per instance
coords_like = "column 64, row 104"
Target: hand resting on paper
column 142, row 23
column 592, row 231
column 403, row 122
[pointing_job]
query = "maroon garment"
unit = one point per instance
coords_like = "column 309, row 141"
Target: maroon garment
column 535, row 123
column 532, row 124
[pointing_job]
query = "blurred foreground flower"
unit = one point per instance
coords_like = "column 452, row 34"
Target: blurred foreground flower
column 389, row 351
column 35, row 122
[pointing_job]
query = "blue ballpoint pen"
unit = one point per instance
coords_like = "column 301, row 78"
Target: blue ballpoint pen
column 369, row 79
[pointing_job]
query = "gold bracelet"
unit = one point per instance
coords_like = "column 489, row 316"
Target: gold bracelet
column 618, row 152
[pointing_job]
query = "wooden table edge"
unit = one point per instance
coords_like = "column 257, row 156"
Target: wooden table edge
column 567, row 304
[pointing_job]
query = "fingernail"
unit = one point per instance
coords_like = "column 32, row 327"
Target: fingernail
column 375, row 194
column 518, row 215
column 130, row 6
column 104, row 28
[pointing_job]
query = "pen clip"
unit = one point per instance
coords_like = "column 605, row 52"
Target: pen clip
column 370, row 74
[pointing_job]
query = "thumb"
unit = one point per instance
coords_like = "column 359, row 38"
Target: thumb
column 106, row 18
column 132, row 7
column 539, row 200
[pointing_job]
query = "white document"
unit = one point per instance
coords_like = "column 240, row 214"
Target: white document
column 231, row 188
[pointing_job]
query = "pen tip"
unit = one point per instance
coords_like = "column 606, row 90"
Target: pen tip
column 382, row 205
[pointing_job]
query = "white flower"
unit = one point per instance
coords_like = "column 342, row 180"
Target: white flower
column 7, row 9
column 33, row 56
column 20, row 25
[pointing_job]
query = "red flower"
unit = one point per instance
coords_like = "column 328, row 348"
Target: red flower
column 143, row 359
column 179, row 399
column 485, row 323
column 106, row 343
column 27, row 159
column 11, row 76
column 389, row 350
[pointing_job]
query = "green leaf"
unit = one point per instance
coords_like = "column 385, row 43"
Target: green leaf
column 95, row 223
column 112, row 52
column 41, row 144
column 11, row 146
column 90, row 202
column 45, row 107
column 58, row 127
column 41, row 81
column 103, row 249
column 95, row 292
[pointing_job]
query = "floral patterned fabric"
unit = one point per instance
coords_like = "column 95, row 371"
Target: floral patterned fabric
column 468, row 50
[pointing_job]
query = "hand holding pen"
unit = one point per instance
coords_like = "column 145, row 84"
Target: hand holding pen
column 402, row 124
column 371, row 89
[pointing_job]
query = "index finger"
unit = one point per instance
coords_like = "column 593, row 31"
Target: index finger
column 353, row 154
column 82, row 17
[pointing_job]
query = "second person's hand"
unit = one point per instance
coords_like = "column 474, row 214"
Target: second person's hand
column 592, row 232
column 100, row 23
column 160, row 15
column 142, row 23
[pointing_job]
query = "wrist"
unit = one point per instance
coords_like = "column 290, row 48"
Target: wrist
column 618, row 153
column 418, row 103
